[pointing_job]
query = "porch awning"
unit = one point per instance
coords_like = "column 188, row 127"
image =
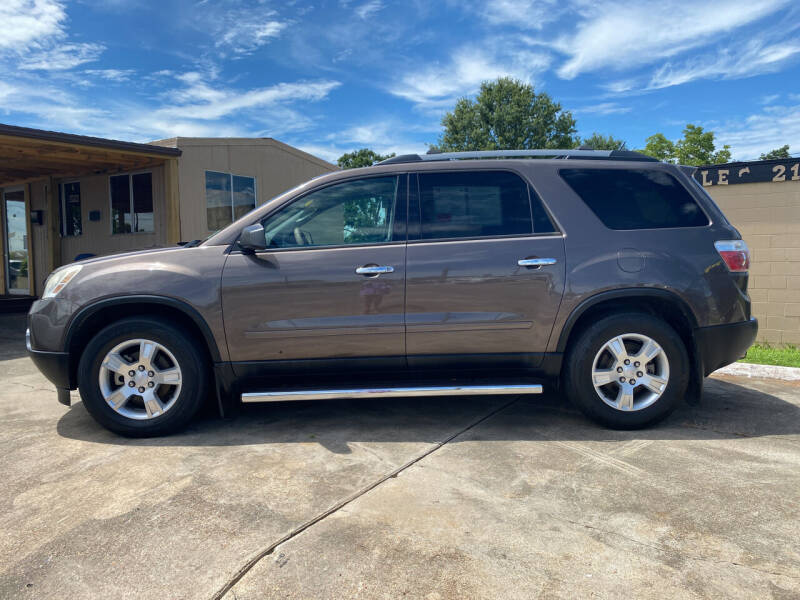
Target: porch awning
column 29, row 154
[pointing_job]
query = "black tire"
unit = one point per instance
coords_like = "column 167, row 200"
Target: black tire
column 578, row 381
column 185, row 350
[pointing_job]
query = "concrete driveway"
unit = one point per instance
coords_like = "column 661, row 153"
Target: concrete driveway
column 419, row 498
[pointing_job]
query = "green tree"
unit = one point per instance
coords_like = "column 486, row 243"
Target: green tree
column 361, row 158
column 507, row 115
column 658, row 146
column 782, row 152
column 598, row 141
column 696, row 147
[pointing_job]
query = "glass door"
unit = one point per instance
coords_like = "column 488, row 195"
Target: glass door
column 15, row 243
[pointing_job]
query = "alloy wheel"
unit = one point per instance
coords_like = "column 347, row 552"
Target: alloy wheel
column 630, row 372
column 140, row 379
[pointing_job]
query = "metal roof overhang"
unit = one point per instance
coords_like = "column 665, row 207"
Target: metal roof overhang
column 30, row 154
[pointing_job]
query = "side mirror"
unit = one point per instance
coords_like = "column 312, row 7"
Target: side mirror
column 252, row 238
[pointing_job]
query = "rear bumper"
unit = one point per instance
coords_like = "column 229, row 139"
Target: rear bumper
column 722, row 345
column 53, row 365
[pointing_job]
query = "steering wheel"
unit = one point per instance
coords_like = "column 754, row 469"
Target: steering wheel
column 302, row 238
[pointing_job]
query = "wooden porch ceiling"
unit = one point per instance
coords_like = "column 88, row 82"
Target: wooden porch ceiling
column 24, row 159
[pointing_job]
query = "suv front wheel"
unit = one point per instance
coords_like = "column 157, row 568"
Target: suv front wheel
column 627, row 371
column 142, row 376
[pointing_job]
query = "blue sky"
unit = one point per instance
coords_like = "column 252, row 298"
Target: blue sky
column 331, row 76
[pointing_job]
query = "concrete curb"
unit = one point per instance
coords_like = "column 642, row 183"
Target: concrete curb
column 764, row 371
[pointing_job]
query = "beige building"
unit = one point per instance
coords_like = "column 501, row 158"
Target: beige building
column 64, row 196
column 762, row 200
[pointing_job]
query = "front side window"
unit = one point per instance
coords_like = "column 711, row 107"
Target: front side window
column 70, row 209
column 473, row 204
column 635, row 198
column 132, row 203
column 228, row 197
column 354, row 212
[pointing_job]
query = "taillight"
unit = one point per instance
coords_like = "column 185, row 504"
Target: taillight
column 735, row 253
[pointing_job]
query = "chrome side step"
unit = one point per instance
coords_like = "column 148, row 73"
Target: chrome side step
column 395, row 392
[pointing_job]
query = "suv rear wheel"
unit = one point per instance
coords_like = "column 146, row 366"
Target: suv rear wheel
column 627, row 370
column 142, row 376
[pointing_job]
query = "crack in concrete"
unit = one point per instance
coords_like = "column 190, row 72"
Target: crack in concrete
column 223, row 591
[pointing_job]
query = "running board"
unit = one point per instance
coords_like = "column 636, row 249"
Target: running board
column 394, row 392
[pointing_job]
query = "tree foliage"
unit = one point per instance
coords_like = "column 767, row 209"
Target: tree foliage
column 598, row 141
column 696, row 147
column 658, row 146
column 507, row 115
column 782, row 152
column 361, row 158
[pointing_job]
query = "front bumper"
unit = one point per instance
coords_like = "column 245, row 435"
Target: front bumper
column 721, row 345
column 53, row 365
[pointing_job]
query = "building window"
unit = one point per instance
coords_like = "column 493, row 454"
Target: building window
column 228, row 197
column 132, row 203
column 70, row 209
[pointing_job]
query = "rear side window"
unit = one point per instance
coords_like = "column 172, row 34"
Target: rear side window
column 635, row 198
column 476, row 204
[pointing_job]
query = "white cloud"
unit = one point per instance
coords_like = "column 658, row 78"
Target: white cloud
column 619, row 36
column 199, row 105
column 329, row 153
column 246, row 36
column 761, row 132
column 530, row 14
column 27, row 22
column 437, row 86
column 333, row 151
column 202, row 101
column 366, row 10
column 752, row 58
column 621, row 86
column 383, row 135
column 769, row 98
column 61, row 57
column 34, row 37
column 239, row 29
column 115, row 75
column 604, row 108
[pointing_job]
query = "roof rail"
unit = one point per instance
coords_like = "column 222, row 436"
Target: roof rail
column 565, row 154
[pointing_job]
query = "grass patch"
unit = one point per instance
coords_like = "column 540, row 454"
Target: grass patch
column 764, row 354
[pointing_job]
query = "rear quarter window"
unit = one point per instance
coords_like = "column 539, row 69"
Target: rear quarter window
column 635, row 198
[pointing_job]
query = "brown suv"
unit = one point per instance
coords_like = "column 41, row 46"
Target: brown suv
column 610, row 274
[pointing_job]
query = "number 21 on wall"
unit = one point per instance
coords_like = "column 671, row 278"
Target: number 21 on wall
column 780, row 172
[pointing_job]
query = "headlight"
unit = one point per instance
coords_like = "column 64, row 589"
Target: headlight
column 59, row 279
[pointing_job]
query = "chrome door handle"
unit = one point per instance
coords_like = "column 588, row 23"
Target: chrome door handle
column 536, row 262
column 374, row 270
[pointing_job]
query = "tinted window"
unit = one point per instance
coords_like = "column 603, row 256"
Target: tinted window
column 473, row 204
column 355, row 212
column 635, row 198
column 120, row 204
column 132, row 203
column 142, row 185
